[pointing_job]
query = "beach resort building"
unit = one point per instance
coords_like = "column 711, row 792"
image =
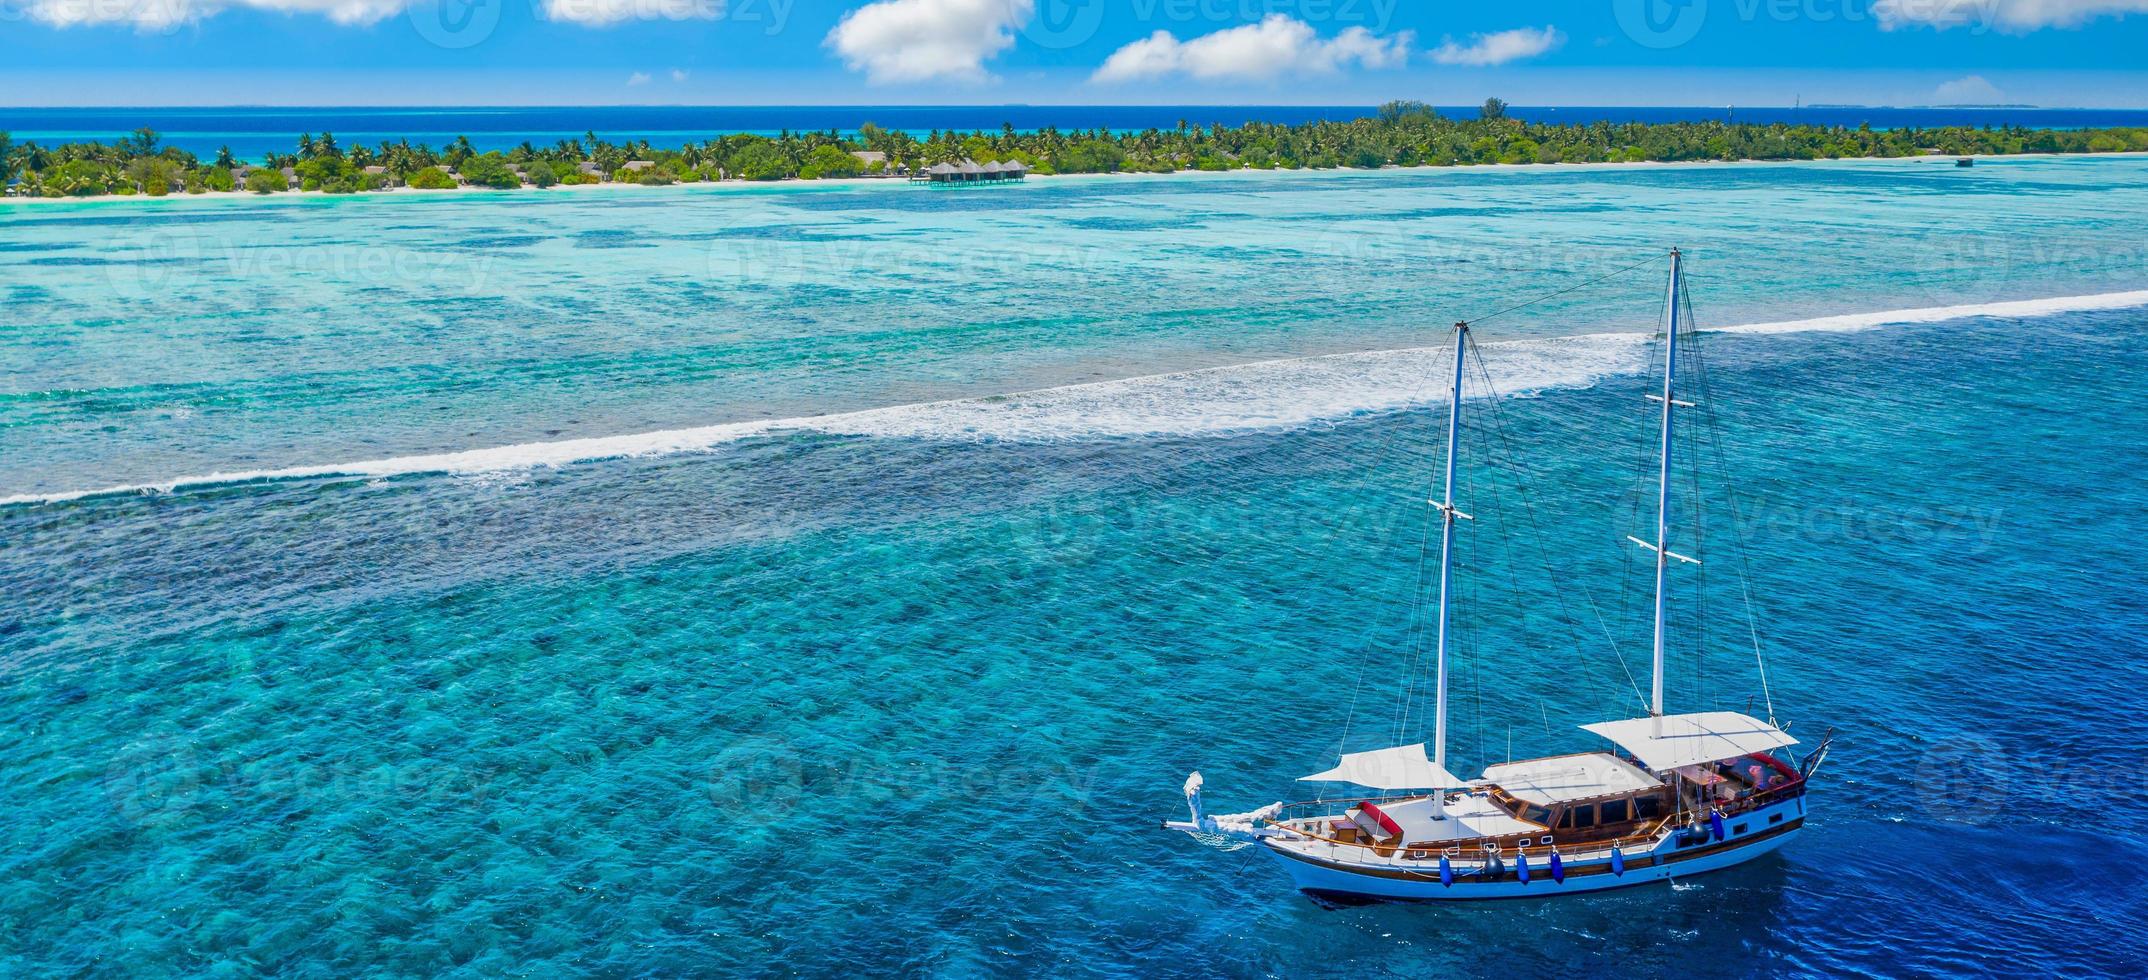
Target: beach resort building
column 971, row 172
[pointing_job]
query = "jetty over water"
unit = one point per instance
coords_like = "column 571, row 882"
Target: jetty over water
column 967, row 172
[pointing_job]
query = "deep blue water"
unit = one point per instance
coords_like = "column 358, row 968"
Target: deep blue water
column 906, row 690
column 815, row 704
column 253, row 130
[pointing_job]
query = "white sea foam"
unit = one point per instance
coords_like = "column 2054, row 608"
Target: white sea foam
column 1937, row 314
column 1276, row 394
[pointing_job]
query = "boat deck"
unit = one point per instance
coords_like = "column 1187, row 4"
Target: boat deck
column 1471, row 817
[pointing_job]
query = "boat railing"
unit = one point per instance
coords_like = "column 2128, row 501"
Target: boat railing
column 1465, row 855
column 1754, row 801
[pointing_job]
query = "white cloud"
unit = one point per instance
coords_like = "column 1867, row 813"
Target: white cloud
column 153, row 15
column 1968, row 90
column 604, row 13
column 920, row 40
column 1498, row 48
column 2010, row 16
column 678, row 75
column 638, row 78
column 1277, row 46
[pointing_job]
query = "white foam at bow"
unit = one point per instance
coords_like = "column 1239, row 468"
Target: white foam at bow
column 1260, row 395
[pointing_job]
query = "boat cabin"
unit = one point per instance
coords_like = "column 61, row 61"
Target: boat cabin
column 1579, row 797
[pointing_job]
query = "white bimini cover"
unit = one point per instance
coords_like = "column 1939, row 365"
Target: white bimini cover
column 1568, row 777
column 1671, row 741
column 1401, row 767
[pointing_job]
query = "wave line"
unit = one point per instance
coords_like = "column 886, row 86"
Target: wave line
column 1257, row 395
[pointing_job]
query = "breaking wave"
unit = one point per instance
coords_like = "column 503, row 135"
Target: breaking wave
column 1277, row 394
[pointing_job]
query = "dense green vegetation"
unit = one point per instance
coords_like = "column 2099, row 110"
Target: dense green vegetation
column 1401, row 133
column 431, row 179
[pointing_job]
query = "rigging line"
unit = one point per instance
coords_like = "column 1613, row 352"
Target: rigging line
column 1644, row 451
column 1474, row 636
column 1694, row 446
column 1691, row 440
column 1416, row 630
column 1409, row 613
column 1473, row 321
column 1475, row 546
column 1495, row 510
column 1566, row 616
column 1700, row 547
column 1386, row 450
column 1416, row 636
column 1536, row 529
column 1419, row 654
column 1737, row 528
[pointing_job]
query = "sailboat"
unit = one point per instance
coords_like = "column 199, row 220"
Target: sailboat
column 1679, row 794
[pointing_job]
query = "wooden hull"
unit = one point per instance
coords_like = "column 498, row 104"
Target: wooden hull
column 1763, row 831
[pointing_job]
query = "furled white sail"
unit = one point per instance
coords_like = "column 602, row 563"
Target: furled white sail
column 1401, row 767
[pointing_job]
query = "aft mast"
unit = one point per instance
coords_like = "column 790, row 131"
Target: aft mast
column 1661, row 547
column 1448, row 514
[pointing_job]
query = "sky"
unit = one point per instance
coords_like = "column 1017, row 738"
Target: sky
column 2090, row 53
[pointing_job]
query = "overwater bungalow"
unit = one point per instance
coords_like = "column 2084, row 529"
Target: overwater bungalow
column 971, row 172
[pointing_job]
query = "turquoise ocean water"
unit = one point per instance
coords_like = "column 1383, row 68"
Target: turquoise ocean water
column 892, row 556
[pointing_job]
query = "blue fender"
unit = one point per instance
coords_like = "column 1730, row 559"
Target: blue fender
column 1558, row 868
column 1446, row 871
column 1715, row 824
column 1618, row 863
column 1521, row 867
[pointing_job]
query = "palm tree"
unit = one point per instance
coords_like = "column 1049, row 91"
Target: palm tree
column 141, row 143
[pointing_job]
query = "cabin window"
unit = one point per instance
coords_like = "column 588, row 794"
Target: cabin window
column 1566, row 819
column 1646, row 807
column 1538, row 815
column 1775, row 818
column 1615, row 811
column 1584, row 816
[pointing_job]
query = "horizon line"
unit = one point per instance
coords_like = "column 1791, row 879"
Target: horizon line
column 1959, row 107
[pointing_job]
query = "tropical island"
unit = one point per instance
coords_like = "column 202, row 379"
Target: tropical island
column 1404, row 133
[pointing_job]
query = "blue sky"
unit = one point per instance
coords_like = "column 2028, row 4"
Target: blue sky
column 1599, row 52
